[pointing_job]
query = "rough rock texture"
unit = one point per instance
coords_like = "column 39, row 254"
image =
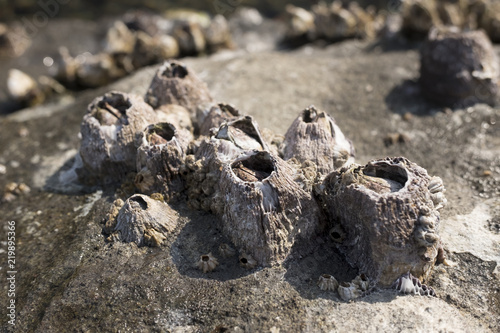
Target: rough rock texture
column 459, row 68
column 387, row 218
column 70, row 278
column 108, row 133
column 315, row 136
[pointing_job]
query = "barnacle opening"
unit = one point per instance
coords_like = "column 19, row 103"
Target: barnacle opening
column 337, row 234
column 160, row 133
column 242, row 132
column 255, row 168
column 309, row 114
column 389, row 172
column 111, row 108
column 244, row 260
column 140, row 201
column 175, row 70
column 205, row 258
column 326, row 276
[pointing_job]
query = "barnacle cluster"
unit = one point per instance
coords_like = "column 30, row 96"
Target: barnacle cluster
column 408, row 284
column 332, row 22
column 347, row 291
column 267, row 193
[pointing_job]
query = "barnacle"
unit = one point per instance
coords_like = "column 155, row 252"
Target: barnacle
column 348, row 291
column 362, row 282
column 408, row 284
column 207, row 263
column 337, row 233
column 226, row 251
column 327, row 282
column 247, row 261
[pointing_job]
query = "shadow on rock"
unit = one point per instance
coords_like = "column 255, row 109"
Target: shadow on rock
column 308, row 260
column 407, row 98
column 200, row 236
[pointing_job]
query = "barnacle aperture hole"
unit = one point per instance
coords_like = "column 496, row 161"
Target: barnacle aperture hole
column 255, row 168
column 309, row 114
column 244, row 260
column 175, row 70
column 140, row 201
column 114, row 106
column 205, row 258
column 326, row 276
column 160, row 132
column 363, row 277
column 395, row 173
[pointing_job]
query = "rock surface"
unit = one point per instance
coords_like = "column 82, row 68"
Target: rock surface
column 69, row 277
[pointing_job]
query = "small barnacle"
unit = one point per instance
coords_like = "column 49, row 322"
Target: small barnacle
column 408, row 284
column 362, row 282
column 110, row 219
column 337, row 234
column 427, row 221
column 436, row 188
column 327, row 282
column 348, row 291
column 425, row 237
column 226, row 251
column 153, row 238
column 144, row 180
column 207, row 263
column 247, row 261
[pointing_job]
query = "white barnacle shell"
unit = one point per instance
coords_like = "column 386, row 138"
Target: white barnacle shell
column 247, row 261
column 362, row 282
column 226, row 251
column 207, row 263
column 436, row 188
column 327, row 282
column 144, row 221
column 348, row 291
column 408, row 284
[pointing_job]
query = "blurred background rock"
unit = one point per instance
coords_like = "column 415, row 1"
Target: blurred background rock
column 91, row 9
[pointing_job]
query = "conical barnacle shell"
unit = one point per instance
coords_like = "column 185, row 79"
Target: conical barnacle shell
column 315, row 136
column 264, row 209
column 217, row 34
column 97, row 70
column 10, row 43
column 408, row 284
column 176, row 115
column 378, row 207
column 419, row 17
column 231, row 140
column 23, row 88
column 348, row 291
column 150, row 50
column 174, row 83
column 207, row 263
column 119, row 39
column 217, row 115
column 190, row 37
column 333, row 22
column 362, row 282
column 459, row 68
column 327, row 282
column 247, row 261
column 141, row 213
column 64, row 67
column 300, row 22
column 226, row 251
column 108, row 134
column 160, row 156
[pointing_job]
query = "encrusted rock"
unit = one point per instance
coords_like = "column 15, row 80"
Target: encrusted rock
column 459, row 68
column 174, row 83
column 315, row 136
column 388, row 216
column 160, row 156
column 108, row 132
column 144, row 221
